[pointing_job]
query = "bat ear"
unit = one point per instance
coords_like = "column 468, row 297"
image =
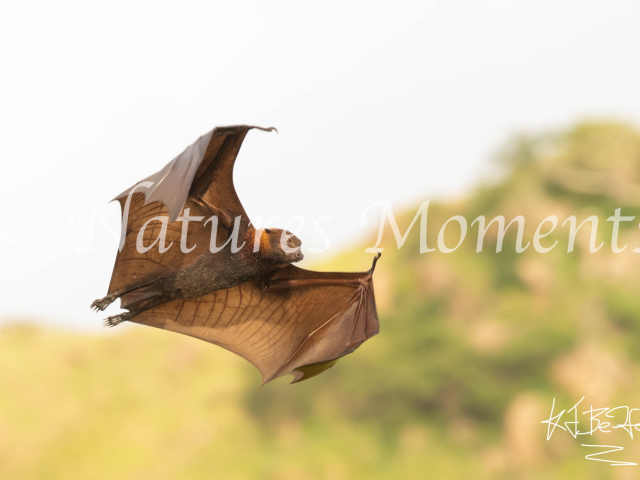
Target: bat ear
column 268, row 231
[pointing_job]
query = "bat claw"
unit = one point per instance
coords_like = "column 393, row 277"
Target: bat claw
column 102, row 303
column 375, row 260
column 117, row 319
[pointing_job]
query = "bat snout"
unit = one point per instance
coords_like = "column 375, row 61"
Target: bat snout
column 298, row 255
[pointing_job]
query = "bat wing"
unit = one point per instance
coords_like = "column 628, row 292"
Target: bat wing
column 204, row 170
column 207, row 164
column 300, row 323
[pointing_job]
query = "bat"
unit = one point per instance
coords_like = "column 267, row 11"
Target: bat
column 224, row 281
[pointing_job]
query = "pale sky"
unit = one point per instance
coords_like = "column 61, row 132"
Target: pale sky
column 402, row 102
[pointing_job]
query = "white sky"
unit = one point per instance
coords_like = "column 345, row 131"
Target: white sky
column 401, row 102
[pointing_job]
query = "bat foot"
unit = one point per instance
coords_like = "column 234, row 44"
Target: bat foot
column 102, row 303
column 117, row 319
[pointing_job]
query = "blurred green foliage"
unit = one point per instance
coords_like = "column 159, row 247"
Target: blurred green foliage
column 473, row 349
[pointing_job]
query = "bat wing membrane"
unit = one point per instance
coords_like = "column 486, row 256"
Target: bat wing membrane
column 205, row 170
column 299, row 328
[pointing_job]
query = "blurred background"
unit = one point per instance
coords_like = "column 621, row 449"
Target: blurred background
column 486, row 108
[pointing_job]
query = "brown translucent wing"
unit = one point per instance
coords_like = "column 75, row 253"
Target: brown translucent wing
column 301, row 324
column 213, row 180
column 204, row 169
column 204, row 166
column 133, row 266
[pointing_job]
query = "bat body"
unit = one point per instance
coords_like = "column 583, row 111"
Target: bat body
column 222, row 280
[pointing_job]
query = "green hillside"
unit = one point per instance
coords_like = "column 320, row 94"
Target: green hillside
column 472, row 351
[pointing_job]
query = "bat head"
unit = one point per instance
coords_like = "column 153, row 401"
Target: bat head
column 280, row 246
